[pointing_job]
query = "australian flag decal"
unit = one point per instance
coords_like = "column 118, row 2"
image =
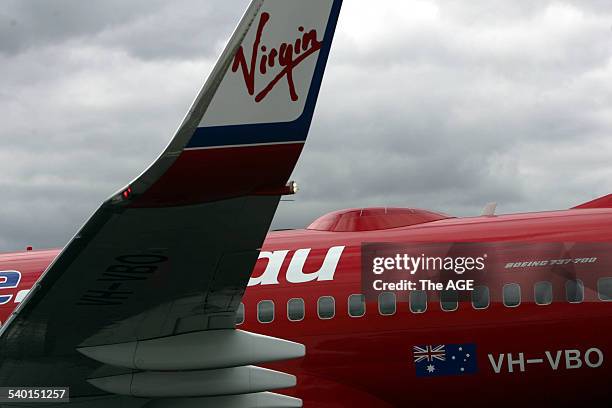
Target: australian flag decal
column 444, row 359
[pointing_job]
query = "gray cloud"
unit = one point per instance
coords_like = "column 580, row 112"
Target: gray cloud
column 144, row 28
column 31, row 23
column 435, row 104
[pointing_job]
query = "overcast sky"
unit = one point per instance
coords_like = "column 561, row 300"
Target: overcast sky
column 445, row 105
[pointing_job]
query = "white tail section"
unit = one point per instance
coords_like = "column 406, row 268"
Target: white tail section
column 273, row 69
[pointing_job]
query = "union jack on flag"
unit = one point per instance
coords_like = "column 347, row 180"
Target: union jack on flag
column 444, row 359
column 429, row 353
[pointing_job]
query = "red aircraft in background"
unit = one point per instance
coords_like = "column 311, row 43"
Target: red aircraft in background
column 174, row 293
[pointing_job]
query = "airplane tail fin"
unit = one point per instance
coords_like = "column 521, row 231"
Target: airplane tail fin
column 601, row 202
column 247, row 126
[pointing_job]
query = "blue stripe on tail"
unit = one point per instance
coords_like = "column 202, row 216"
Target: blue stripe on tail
column 295, row 131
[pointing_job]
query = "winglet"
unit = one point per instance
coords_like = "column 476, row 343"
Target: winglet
column 247, row 126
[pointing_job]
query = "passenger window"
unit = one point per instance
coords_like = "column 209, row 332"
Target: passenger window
column 326, row 307
column 480, row 297
column 449, row 300
column 240, row 314
column 574, row 291
column 512, row 295
column 265, row 311
column 604, row 288
column 295, row 309
column 386, row 303
column 543, row 293
column 356, row 305
column 418, row 301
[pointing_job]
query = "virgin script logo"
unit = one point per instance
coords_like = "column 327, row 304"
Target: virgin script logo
column 287, row 56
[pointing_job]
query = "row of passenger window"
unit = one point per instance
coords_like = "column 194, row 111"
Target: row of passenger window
column 449, row 301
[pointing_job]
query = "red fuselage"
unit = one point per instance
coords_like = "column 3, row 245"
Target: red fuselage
column 535, row 355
